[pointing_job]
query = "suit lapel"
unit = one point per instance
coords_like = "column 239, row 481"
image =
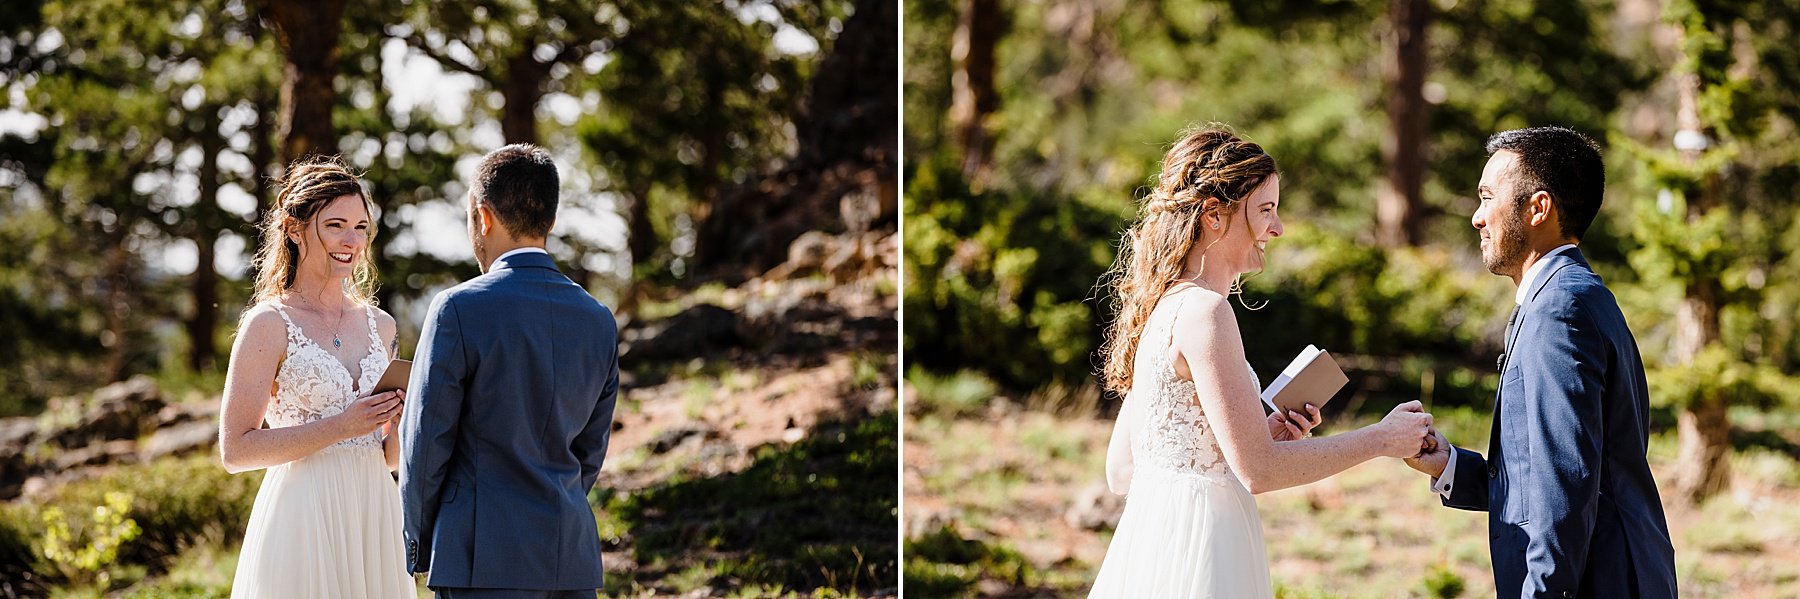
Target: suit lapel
column 1552, row 266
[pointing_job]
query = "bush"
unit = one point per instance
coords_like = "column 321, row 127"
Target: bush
column 175, row 503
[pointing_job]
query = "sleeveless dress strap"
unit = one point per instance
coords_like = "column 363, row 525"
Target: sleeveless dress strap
column 293, row 330
column 374, row 333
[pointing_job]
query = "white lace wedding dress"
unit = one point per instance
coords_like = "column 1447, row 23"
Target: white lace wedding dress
column 328, row 524
column 1190, row 528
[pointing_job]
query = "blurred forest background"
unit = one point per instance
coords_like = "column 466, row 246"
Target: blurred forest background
column 730, row 188
column 1032, row 127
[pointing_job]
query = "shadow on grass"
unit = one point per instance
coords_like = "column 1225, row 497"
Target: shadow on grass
column 818, row 514
column 942, row 563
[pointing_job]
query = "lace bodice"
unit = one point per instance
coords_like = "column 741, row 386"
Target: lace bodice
column 312, row 384
column 1173, row 434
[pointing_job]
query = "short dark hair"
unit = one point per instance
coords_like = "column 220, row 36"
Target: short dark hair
column 1560, row 161
column 519, row 183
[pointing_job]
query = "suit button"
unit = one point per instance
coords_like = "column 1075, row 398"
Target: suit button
column 1493, row 472
column 1568, row 594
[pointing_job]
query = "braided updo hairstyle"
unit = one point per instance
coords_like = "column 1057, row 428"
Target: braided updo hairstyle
column 1208, row 173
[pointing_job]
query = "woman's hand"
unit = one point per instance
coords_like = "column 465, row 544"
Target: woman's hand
column 1294, row 425
column 369, row 412
column 1404, row 433
column 392, row 426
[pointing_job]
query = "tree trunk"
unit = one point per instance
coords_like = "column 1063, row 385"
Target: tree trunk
column 206, row 227
column 262, row 154
column 973, row 97
column 308, row 34
column 522, row 88
column 642, row 233
column 1705, row 433
column 1399, row 205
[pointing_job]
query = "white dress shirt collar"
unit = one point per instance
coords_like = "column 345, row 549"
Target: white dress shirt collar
column 523, row 250
column 1537, row 268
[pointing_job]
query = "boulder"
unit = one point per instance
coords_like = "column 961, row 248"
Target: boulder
column 123, row 410
column 696, row 331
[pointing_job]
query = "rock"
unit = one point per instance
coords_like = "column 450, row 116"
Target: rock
column 183, row 413
column 180, row 439
column 16, row 437
column 668, row 440
column 76, row 458
column 116, row 411
column 1095, row 508
column 696, row 331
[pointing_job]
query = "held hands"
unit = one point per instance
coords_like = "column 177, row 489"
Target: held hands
column 369, row 412
column 1283, row 427
column 1406, row 431
column 1435, row 458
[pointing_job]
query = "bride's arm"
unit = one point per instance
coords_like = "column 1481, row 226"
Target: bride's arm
column 390, row 442
column 1118, row 450
column 1208, row 341
column 249, row 380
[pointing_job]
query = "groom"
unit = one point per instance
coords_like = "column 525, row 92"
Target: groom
column 1572, row 509
column 512, row 402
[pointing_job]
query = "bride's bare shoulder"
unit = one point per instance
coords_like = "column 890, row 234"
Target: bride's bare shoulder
column 262, row 325
column 1198, row 305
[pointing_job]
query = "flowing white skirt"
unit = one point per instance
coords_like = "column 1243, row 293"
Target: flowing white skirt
column 1183, row 535
column 327, row 525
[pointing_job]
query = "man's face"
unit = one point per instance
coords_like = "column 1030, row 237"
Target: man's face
column 1500, row 219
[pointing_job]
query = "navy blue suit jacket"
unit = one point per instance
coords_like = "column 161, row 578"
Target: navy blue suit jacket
column 1572, row 508
column 505, row 428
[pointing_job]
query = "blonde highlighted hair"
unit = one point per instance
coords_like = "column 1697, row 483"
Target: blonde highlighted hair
column 308, row 187
column 1207, row 173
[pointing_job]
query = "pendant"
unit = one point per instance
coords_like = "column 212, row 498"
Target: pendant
column 335, row 342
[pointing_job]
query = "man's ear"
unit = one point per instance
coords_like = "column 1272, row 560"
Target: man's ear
column 487, row 218
column 1539, row 209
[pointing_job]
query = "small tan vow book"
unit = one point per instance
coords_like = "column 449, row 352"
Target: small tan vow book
column 397, row 375
column 1313, row 377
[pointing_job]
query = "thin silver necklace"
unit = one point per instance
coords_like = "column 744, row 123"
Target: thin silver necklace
column 336, row 343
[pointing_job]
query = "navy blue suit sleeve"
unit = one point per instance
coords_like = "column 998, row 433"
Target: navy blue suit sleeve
column 428, row 426
column 1470, row 489
column 590, row 445
column 1563, row 369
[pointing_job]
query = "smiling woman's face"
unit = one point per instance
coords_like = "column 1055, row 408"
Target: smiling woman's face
column 1247, row 233
column 335, row 239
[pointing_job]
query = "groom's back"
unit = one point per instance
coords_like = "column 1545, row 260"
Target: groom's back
column 541, row 358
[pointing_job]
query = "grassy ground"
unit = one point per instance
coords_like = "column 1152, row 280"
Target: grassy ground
column 986, row 495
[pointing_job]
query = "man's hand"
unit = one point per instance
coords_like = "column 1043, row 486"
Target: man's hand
column 1435, row 456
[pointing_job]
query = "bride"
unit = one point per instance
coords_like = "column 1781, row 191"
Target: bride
column 326, row 522
column 1191, row 444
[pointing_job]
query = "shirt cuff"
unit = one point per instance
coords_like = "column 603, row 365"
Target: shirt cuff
column 1441, row 484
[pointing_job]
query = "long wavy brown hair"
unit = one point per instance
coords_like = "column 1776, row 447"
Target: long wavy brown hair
column 308, row 187
column 1208, row 172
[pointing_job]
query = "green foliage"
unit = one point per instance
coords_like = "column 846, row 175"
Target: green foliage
column 1001, row 282
column 82, row 548
column 173, row 504
column 1442, row 582
column 964, row 393
column 1720, row 370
